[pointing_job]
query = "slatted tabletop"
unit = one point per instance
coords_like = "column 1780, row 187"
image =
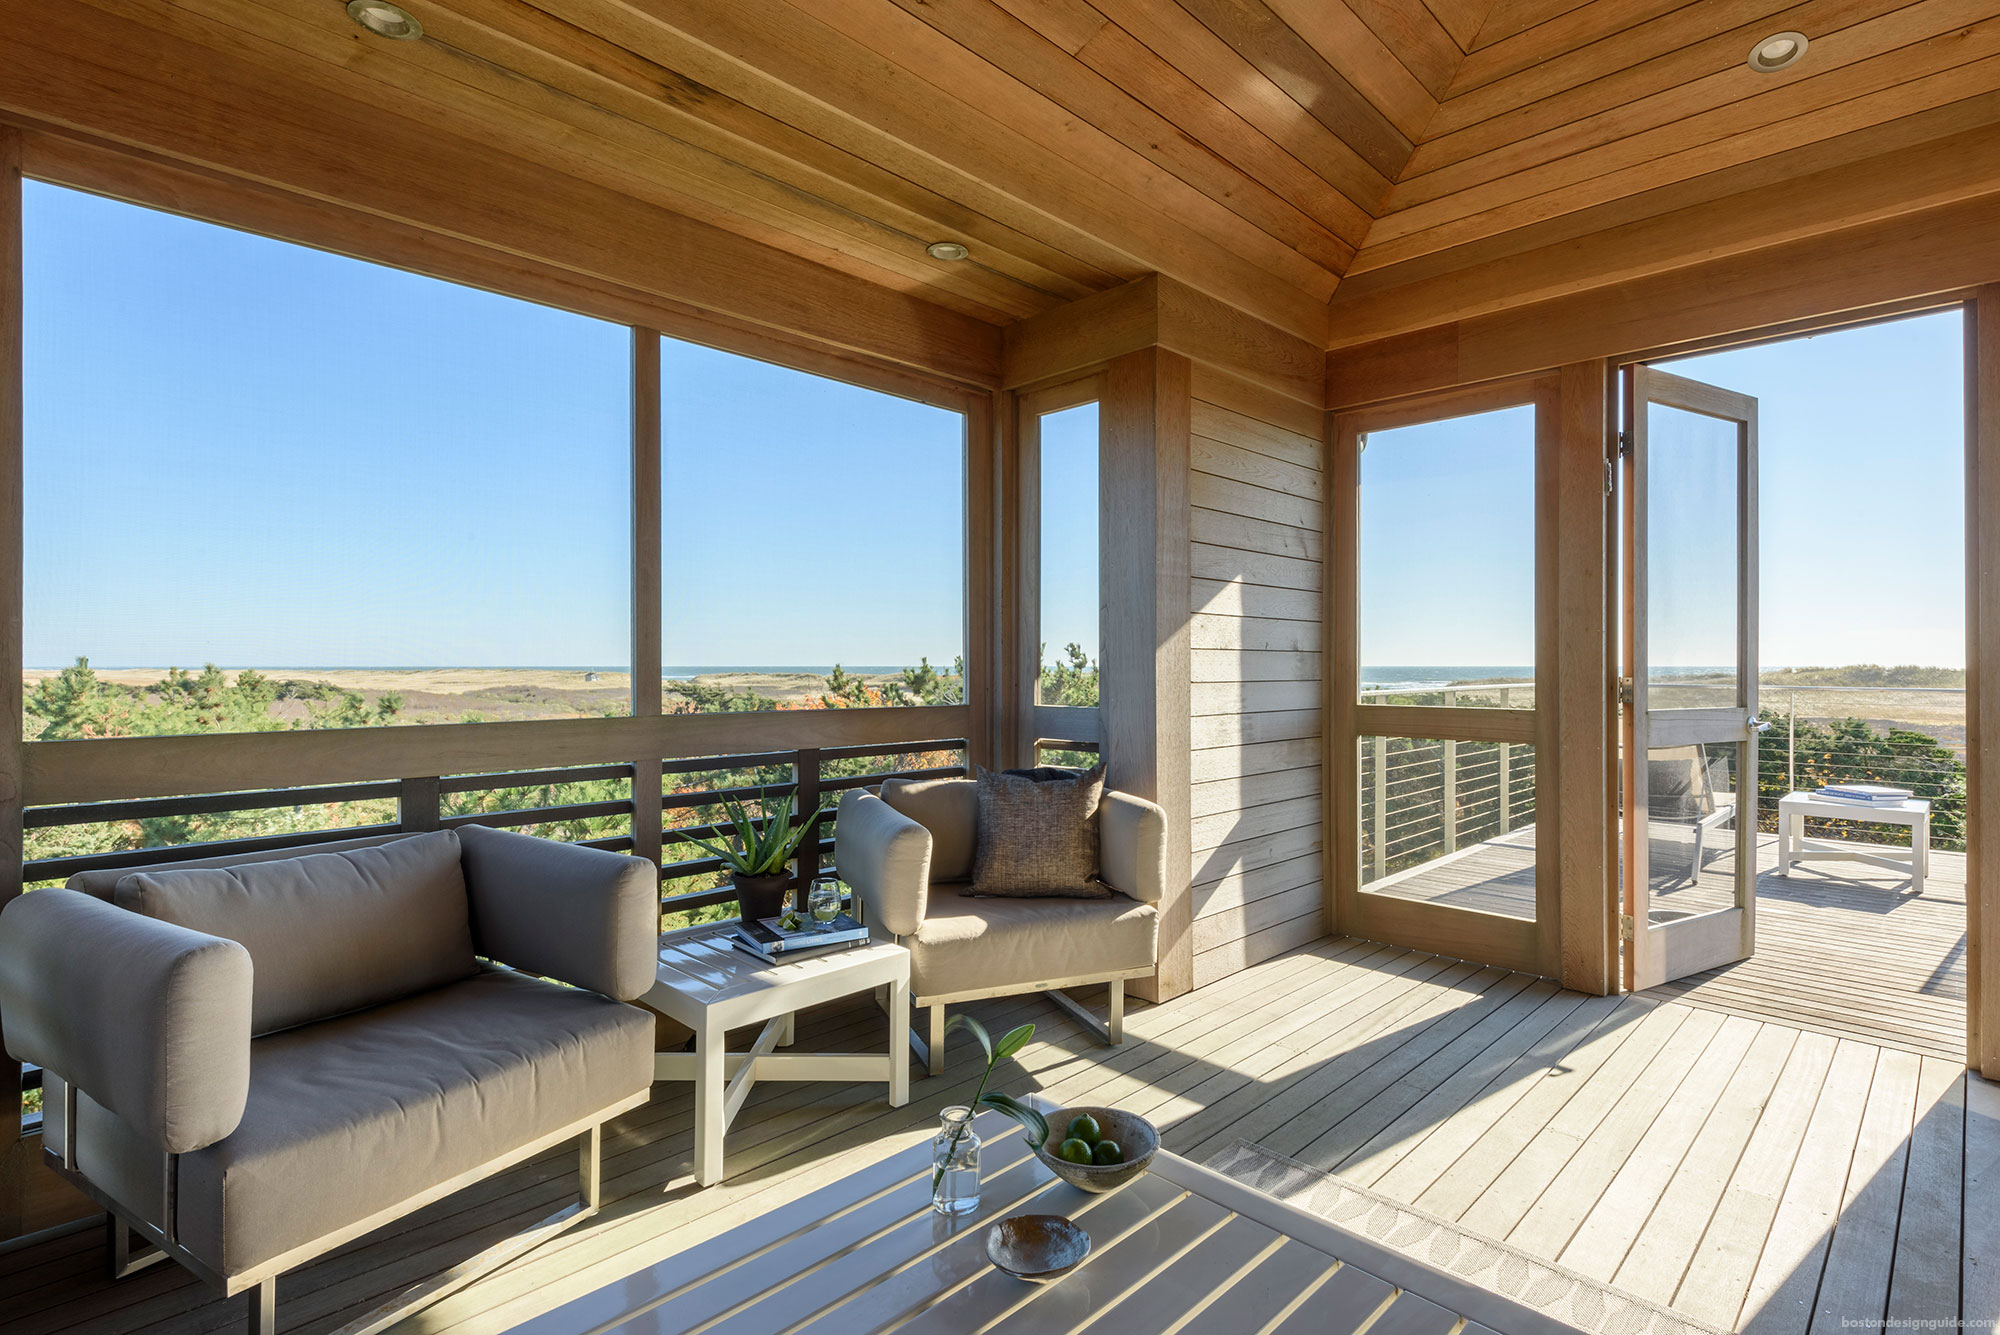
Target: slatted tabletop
column 700, row 970
column 1179, row 1245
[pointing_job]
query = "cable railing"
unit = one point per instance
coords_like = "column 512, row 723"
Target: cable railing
column 1422, row 799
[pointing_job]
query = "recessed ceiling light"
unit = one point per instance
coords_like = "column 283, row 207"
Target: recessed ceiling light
column 385, row 20
column 1777, row 51
column 946, row 250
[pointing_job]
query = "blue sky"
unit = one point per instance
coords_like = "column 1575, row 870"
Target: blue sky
column 251, row 453
column 1861, row 450
column 1069, row 531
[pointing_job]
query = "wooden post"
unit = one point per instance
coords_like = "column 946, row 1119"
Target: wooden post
column 1450, row 765
column 1982, row 686
column 805, row 771
column 1381, row 821
column 1575, row 691
column 646, row 586
column 417, row 805
column 1144, row 723
column 14, row 1156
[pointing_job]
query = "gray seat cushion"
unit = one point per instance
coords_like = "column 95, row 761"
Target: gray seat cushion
column 966, row 944
column 351, row 1116
column 327, row 933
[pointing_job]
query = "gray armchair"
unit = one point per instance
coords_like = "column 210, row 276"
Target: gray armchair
column 908, row 855
column 251, row 1061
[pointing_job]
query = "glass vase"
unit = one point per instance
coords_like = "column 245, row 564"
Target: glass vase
column 955, row 1164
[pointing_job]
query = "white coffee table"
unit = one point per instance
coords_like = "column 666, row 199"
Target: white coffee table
column 1181, row 1248
column 1793, row 846
column 711, row 987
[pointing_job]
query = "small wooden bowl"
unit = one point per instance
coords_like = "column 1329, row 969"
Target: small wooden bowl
column 1037, row 1247
column 1135, row 1136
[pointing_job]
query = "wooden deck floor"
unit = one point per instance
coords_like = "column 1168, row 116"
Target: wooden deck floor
column 1743, row 1169
column 1842, row 948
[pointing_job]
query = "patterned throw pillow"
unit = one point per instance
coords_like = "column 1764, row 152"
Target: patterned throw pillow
column 1038, row 840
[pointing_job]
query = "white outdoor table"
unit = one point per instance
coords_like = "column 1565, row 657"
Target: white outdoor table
column 1793, row 846
column 712, row 987
column 1181, row 1248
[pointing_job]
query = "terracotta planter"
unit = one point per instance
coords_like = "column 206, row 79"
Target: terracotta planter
column 760, row 896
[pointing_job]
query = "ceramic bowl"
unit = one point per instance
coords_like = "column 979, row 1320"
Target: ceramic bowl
column 1134, row 1134
column 1037, row 1247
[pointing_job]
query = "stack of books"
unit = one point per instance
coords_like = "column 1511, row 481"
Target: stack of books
column 769, row 940
column 1865, row 794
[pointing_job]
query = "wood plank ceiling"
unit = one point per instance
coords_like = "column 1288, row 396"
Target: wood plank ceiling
column 1263, row 151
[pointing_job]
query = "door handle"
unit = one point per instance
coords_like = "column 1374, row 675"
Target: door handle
column 1757, row 725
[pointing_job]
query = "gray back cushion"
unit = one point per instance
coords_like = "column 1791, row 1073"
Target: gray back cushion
column 327, row 933
column 1038, row 838
column 949, row 809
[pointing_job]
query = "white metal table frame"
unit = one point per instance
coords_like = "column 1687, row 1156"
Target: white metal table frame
column 711, row 987
column 1794, row 847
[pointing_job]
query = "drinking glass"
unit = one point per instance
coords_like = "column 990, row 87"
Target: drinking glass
column 823, row 902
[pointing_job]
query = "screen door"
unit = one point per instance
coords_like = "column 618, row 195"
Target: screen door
column 1690, row 724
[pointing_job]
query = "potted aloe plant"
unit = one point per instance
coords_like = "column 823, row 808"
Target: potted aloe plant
column 761, row 856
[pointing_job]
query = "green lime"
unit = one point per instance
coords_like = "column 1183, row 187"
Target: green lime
column 1086, row 1129
column 1107, row 1151
column 1074, row 1151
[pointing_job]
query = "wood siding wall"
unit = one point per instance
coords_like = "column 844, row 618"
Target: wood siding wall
column 1255, row 575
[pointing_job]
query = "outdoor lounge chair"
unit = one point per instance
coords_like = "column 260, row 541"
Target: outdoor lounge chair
column 250, row 1061
column 1683, row 788
column 908, row 854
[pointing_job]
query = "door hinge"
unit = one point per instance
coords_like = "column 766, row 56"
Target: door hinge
column 1608, row 475
column 1625, row 696
column 1625, row 927
column 1624, row 443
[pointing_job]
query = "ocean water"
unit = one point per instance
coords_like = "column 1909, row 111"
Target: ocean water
column 1429, row 677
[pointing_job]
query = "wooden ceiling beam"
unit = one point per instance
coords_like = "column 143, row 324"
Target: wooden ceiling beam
column 1899, row 179
column 992, row 36
column 1650, row 160
column 134, row 85
column 848, row 82
column 1892, row 263
column 437, row 83
column 1156, row 311
column 1867, row 58
column 1620, row 74
column 1211, row 63
column 516, row 36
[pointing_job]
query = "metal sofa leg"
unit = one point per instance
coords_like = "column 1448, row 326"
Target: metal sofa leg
column 589, row 1195
column 262, row 1308
column 118, row 1242
column 1111, row 1030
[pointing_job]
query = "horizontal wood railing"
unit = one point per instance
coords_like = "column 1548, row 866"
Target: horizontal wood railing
column 420, row 807
column 117, row 768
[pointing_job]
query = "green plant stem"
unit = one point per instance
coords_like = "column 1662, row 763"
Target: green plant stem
column 971, row 1111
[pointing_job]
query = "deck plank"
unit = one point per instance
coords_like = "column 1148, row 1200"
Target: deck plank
column 1726, row 1165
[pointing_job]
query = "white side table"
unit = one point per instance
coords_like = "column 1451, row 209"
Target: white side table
column 711, row 987
column 1793, row 846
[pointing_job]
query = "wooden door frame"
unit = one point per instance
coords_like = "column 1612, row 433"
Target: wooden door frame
column 1533, row 947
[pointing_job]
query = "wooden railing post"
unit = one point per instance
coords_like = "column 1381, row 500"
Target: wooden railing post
column 805, row 770
column 418, row 806
column 1450, row 784
column 1381, row 807
column 1450, row 796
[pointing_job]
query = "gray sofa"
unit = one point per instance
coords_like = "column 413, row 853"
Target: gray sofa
column 250, row 1061
column 908, row 853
